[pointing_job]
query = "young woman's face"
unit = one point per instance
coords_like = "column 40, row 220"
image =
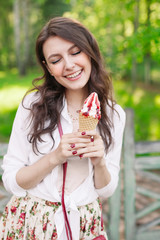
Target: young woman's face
column 67, row 63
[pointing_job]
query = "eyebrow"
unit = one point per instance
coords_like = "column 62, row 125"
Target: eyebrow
column 57, row 54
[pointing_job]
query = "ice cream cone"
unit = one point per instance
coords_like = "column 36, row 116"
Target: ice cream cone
column 87, row 123
column 90, row 113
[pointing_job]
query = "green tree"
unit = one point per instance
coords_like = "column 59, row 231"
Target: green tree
column 21, row 34
column 21, row 21
column 53, row 8
column 127, row 32
column 6, row 32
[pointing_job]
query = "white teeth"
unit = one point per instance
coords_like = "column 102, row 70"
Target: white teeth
column 74, row 74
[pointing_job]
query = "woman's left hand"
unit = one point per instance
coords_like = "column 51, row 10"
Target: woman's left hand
column 95, row 149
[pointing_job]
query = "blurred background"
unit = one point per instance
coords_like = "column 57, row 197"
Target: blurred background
column 128, row 33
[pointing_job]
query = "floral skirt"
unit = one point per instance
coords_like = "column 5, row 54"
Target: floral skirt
column 32, row 218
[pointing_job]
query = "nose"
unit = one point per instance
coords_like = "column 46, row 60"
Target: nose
column 69, row 63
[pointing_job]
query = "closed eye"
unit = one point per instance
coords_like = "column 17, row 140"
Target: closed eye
column 54, row 62
column 78, row 52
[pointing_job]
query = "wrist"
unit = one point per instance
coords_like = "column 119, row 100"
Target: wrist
column 100, row 164
column 52, row 160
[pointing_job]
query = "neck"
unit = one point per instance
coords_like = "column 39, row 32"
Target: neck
column 75, row 99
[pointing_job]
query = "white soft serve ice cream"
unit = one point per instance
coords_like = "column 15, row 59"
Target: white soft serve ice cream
column 91, row 106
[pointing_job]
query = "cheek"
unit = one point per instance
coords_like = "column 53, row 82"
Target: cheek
column 56, row 70
column 87, row 62
column 88, row 66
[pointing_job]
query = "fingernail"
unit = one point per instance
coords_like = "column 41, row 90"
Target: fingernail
column 81, row 155
column 72, row 145
column 92, row 139
column 74, row 152
column 83, row 133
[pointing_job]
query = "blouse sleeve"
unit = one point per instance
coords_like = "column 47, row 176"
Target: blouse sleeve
column 17, row 153
column 113, row 156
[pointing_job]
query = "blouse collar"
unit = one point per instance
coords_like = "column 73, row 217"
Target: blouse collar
column 64, row 112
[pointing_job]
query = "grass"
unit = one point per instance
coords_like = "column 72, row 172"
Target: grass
column 12, row 90
column 145, row 100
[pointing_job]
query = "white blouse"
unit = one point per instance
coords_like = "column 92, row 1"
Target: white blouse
column 20, row 154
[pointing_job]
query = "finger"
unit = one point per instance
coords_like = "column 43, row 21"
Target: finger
column 76, row 140
column 74, row 134
column 84, row 134
column 74, row 146
column 92, row 155
column 91, row 133
column 88, row 152
column 97, row 142
column 87, row 149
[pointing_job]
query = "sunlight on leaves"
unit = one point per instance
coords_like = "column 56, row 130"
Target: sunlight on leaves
column 137, row 97
column 14, row 71
column 155, row 12
column 10, row 97
column 143, row 10
column 2, row 74
column 157, row 100
column 154, row 129
column 128, row 28
column 72, row 15
column 92, row 21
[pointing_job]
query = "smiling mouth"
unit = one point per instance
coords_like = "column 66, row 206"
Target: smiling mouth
column 74, row 74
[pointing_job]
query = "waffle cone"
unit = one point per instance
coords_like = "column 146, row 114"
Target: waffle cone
column 87, row 123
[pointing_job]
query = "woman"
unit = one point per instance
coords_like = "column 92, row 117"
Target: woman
column 33, row 172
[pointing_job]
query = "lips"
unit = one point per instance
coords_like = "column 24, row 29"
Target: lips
column 74, row 75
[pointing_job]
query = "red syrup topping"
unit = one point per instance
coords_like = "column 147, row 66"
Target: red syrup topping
column 90, row 103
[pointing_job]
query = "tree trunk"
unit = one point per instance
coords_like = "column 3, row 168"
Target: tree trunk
column 25, row 37
column 134, row 62
column 147, row 59
column 21, row 34
column 147, row 68
column 17, row 32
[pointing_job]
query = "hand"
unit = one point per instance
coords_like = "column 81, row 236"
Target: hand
column 94, row 149
column 70, row 145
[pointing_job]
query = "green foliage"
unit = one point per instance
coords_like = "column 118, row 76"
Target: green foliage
column 54, row 8
column 38, row 12
column 124, row 31
column 12, row 90
column 6, row 32
column 127, row 31
column 145, row 100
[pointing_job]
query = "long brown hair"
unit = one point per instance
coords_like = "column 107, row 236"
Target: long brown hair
column 50, row 103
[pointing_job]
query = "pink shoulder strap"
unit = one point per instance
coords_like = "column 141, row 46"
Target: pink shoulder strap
column 67, row 226
column 60, row 129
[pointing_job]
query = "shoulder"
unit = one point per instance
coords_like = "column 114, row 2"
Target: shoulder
column 24, row 108
column 30, row 99
column 118, row 110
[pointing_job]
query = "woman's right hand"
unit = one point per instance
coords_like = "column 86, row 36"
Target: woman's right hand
column 29, row 176
column 69, row 145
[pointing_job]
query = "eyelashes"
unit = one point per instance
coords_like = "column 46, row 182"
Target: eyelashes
column 78, row 52
column 73, row 54
column 54, row 62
